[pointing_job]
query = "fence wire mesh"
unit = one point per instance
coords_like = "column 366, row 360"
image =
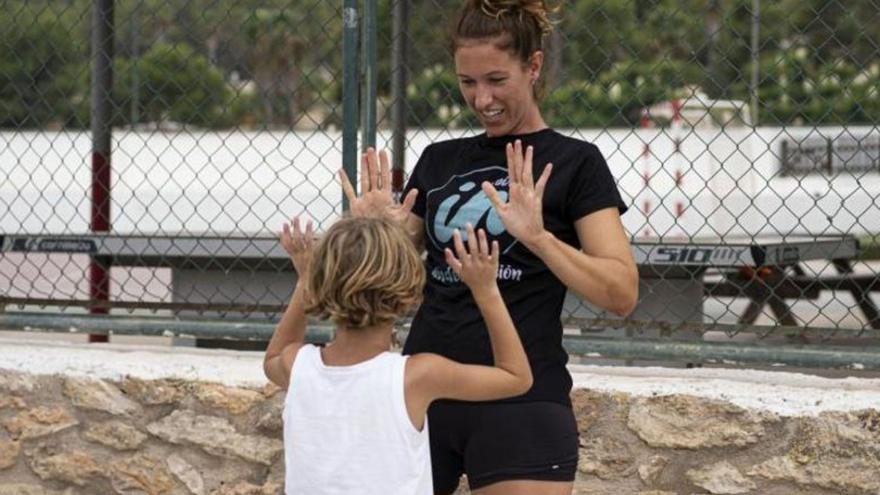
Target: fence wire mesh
column 737, row 130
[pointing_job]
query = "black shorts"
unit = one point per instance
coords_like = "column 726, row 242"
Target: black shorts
column 492, row 442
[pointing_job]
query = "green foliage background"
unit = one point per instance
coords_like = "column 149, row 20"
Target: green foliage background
column 225, row 63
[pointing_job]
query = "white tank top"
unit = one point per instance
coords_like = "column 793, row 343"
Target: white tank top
column 347, row 431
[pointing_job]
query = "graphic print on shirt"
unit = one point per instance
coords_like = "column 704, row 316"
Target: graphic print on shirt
column 460, row 201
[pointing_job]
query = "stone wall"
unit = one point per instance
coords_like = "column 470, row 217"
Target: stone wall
column 74, row 436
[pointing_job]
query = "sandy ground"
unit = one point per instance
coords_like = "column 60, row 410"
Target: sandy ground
column 782, row 392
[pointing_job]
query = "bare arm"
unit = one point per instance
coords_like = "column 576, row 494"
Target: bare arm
column 290, row 332
column 431, row 376
column 415, row 228
column 289, row 336
column 510, row 376
column 603, row 272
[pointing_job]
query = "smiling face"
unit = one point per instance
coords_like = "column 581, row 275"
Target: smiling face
column 499, row 87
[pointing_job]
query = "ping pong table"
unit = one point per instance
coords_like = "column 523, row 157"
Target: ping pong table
column 254, row 273
column 677, row 275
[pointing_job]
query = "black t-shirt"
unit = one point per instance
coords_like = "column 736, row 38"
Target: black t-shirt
column 448, row 176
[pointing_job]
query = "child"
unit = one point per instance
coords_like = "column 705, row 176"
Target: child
column 355, row 413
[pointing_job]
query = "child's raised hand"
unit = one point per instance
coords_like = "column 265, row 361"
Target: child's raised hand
column 299, row 244
column 476, row 265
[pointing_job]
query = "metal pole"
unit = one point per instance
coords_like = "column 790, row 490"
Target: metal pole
column 163, row 327
column 135, row 56
column 349, row 93
column 733, row 353
column 864, row 357
column 368, row 112
column 399, row 82
column 713, row 87
column 102, row 85
column 756, row 22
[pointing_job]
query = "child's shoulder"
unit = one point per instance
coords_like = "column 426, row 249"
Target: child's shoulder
column 423, row 366
column 293, row 353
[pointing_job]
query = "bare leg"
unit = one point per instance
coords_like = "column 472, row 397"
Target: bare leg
column 526, row 487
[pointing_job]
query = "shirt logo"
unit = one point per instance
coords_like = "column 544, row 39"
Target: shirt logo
column 461, row 201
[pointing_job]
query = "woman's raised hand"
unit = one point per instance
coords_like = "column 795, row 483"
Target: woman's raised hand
column 376, row 199
column 522, row 213
column 299, row 244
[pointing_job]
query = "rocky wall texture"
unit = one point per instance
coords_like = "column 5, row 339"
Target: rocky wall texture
column 73, row 436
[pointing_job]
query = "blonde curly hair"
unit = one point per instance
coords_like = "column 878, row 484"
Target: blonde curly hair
column 364, row 272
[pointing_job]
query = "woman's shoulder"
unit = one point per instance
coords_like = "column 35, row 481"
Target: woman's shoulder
column 581, row 145
column 445, row 146
column 565, row 150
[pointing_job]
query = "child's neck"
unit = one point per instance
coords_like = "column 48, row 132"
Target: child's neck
column 350, row 347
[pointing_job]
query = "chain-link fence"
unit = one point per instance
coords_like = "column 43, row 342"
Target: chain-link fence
column 743, row 136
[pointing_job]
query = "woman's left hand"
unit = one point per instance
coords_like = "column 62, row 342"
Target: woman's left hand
column 522, row 213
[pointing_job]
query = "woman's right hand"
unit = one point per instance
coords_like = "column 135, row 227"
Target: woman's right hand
column 376, row 199
column 299, row 245
column 476, row 266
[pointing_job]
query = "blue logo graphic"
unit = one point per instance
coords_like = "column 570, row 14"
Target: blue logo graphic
column 461, row 201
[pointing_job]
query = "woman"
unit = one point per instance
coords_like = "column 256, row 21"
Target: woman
column 561, row 231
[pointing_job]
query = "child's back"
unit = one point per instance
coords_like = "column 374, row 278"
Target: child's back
column 355, row 414
column 352, row 420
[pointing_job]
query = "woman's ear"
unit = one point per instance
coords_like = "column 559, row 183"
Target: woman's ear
column 536, row 62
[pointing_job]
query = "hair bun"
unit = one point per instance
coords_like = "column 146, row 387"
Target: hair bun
column 538, row 9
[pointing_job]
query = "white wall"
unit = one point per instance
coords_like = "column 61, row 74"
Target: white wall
column 251, row 181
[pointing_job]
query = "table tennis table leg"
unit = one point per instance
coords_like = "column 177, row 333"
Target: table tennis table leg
column 862, row 296
column 760, row 295
column 752, row 311
column 782, row 311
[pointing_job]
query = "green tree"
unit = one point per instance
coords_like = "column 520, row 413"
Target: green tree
column 290, row 49
column 616, row 96
column 41, row 60
column 283, row 60
column 175, row 84
column 798, row 88
column 275, row 53
column 434, row 100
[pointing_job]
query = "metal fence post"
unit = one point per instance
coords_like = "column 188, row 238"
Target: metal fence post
column 102, row 85
column 399, row 80
column 756, row 60
column 370, row 75
column 349, row 93
column 135, row 75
